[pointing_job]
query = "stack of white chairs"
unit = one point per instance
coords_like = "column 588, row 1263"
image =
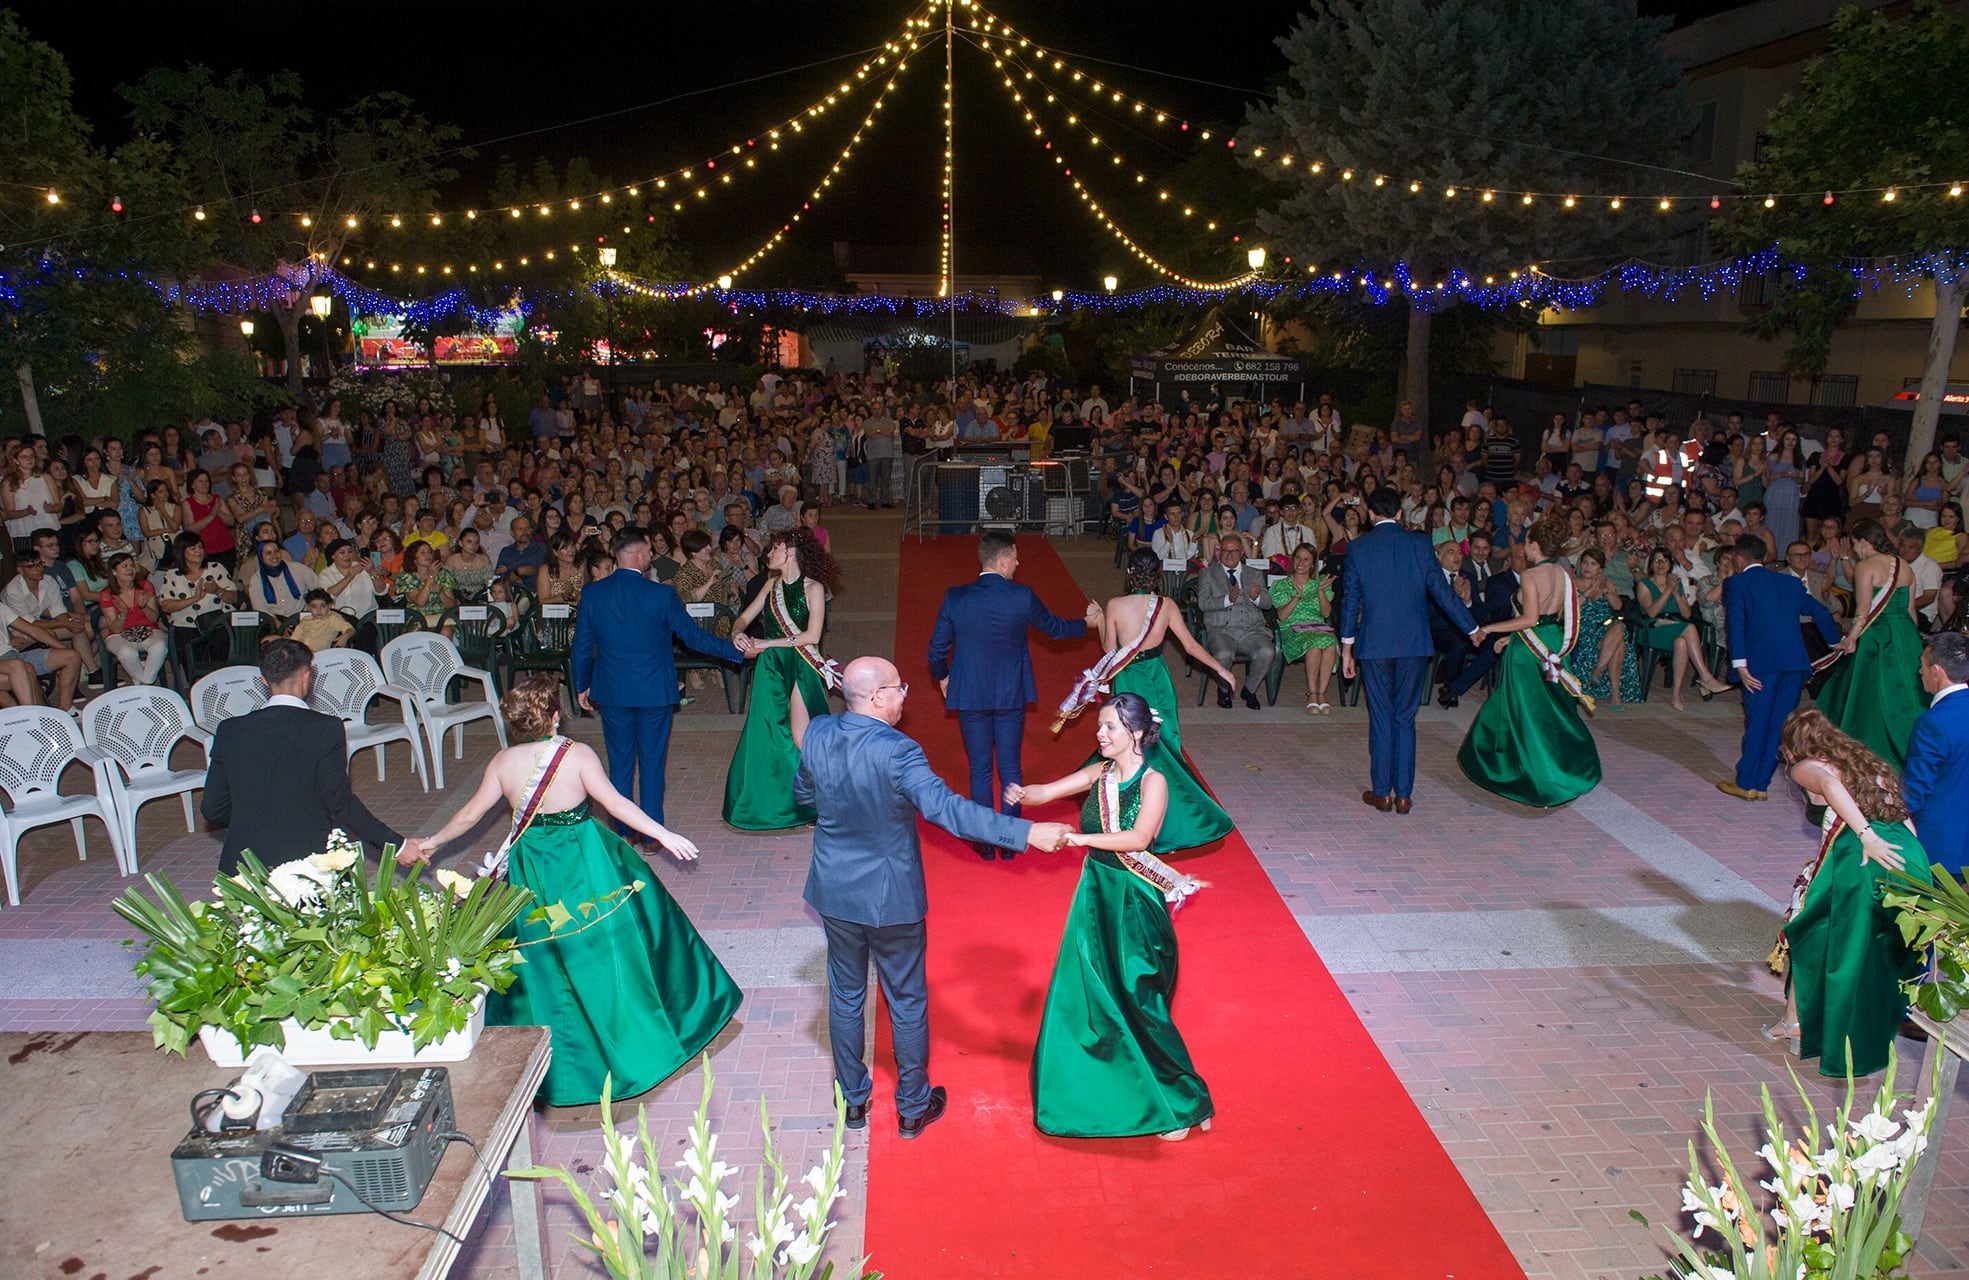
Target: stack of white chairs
column 346, row 682
column 137, row 727
column 423, row 664
column 37, row 745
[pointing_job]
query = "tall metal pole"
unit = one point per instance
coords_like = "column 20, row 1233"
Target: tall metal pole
column 950, row 183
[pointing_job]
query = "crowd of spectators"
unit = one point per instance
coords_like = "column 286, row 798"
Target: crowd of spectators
column 315, row 515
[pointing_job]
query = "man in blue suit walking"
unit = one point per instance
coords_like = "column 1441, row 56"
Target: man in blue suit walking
column 990, row 682
column 867, row 782
column 1389, row 581
column 1761, row 608
column 1936, row 781
column 623, row 664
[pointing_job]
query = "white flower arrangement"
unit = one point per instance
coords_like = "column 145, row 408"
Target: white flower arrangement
column 647, row 1227
column 1835, row 1211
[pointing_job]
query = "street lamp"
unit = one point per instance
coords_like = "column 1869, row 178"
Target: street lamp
column 321, row 304
column 1111, row 282
column 725, row 283
column 1256, row 258
column 246, row 327
column 1059, row 295
column 606, row 255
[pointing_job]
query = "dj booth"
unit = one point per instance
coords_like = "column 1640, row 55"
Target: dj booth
column 996, row 486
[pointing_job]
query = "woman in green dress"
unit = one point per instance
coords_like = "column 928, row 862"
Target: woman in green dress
column 1667, row 599
column 1109, row 1062
column 1136, row 625
column 1846, row 957
column 1305, row 626
column 1528, row 742
column 1603, row 660
column 790, row 680
column 636, row 995
column 1874, row 692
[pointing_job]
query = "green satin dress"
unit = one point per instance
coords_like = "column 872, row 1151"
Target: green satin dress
column 635, row 997
column 1528, row 742
column 759, row 784
column 1847, row 957
column 1193, row 818
column 1109, row 1062
column 1874, row 693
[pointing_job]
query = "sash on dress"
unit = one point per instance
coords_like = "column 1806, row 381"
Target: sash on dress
column 825, row 667
column 1874, row 611
column 1174, row 886
column 553, row 752
column 1553, row 661
column 1094, row 681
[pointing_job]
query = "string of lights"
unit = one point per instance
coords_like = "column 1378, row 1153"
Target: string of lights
column 814, row 197
column 1099, row 213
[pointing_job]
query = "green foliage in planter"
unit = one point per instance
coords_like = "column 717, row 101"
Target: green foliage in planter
column 1936, row 916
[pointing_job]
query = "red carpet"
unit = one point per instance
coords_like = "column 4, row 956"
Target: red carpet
column 1318, row 1163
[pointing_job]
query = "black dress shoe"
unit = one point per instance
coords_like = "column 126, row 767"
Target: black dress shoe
column 989, row 852
column 910, row 1126
column 857, row 1115
column 1224, row 698
column 1251, row 699
column 1006, row 855
column 1444, row 698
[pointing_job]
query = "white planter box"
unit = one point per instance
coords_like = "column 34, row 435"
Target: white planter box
column 316, row 1048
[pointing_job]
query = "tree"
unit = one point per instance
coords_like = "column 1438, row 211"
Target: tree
column 93, row 345
column 1513, row 95
column 283, row 190
column 1886, row 109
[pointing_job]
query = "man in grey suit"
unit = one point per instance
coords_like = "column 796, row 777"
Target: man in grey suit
column 867, row 782
column 1233, row 599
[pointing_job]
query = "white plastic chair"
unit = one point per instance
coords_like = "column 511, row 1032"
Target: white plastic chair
column 346, row 682
column 36, row 745
column 137, row 728
column 227, row 692
column 423, row 664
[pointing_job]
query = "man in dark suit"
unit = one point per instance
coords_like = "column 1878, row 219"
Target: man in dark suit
column 1498, row 603
column 1762, row 607
column 623, row 663
column 989, row 682
column 867, row 782
column 1936, row 779
column 1390, row 580
column 279, row 778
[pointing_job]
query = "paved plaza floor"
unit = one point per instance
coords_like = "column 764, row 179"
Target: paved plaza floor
column 1557, row 990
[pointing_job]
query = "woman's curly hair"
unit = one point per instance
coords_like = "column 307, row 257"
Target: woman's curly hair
column 1809, row 735
column 531, row 704
column 815, row 562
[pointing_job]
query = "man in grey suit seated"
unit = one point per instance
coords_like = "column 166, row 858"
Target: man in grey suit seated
column 1234, row 599
column 867, row 782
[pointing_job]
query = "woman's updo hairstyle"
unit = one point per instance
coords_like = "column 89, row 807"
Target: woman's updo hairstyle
column 1550, row 533
column 1144, row 570
column 1132, row 709
column 531, row 705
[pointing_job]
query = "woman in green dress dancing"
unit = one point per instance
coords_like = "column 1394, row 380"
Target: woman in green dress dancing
column 1846, row 959
column 1874, row 692
column 1528, row 742
column 1305, row 625
column 632, row 997
column 1109, row 1062
column 1136, row 625
column 790, row 680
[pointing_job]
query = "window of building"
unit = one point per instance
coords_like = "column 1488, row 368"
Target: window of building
column 1772, row 388
column 1754, row 291
column 1836, row 390
column 1701, row 141
column 1695, row 382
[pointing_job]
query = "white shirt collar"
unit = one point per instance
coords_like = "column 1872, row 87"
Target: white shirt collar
column 1945, row 691
column 287, row 700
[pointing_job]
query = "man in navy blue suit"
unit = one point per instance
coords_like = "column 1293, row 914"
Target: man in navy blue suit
column 990, row 682
column 868, row 782
column 1385, row 626
column 624, row 664
column 1761, row 608
column 1936, row 780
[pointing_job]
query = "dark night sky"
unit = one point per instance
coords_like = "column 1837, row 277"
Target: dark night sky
column 497, row 67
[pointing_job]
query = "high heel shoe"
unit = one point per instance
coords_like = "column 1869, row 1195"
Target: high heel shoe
column 1177, row 1135
column 1783, row 1031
